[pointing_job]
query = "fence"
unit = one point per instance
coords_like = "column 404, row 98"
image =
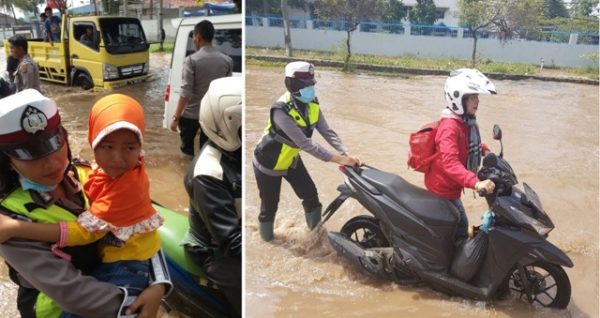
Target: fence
column 418, row 30
column 437, row 41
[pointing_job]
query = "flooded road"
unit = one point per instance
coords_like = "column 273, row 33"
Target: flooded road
column 164, row 163
column 550, row 135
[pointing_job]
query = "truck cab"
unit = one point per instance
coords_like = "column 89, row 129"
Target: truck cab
column 113, row 53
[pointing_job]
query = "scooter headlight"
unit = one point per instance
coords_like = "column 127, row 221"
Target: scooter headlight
column 542, row 229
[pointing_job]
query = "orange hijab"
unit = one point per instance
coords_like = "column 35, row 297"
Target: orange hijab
column 122, row 201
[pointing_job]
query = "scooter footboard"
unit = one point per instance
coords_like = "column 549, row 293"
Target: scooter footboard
column 370, row 262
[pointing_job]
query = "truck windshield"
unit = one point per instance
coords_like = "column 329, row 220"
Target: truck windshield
column 123, row 35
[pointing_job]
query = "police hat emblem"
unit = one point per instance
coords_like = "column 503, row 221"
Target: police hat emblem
column 33, row 120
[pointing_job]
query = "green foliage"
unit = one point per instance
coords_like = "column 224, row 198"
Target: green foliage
column 555, row 9
column 581, row 24
column 110, row 7
column 423, row 13
column 167, row 47
column 28, row 5
column 351, row 12
column 416, row 62
column 393, row 11
column 506, row 18
column 593, row 57
column 584, row 8
column 271, row 7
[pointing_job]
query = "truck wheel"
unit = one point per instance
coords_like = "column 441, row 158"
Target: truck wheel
column 84, row 81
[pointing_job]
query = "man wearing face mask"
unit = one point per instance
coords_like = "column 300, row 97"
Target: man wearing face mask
column 293, row 118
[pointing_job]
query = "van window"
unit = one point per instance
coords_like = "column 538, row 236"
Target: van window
column 85, row 33
column 228, row 41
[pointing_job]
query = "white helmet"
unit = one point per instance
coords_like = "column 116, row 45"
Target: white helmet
column 221, row 112
column 465, row 81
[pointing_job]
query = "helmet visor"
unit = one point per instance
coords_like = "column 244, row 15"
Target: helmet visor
column 41, row 146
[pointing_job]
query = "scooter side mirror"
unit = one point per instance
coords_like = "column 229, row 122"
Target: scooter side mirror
column 497, row 132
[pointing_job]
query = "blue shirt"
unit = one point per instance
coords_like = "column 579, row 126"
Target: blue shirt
column 52, row 26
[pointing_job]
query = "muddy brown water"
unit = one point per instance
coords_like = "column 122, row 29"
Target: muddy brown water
column 164, row 163
column 550, row 139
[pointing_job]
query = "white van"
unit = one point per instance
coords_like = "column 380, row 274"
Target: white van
column 228, row 39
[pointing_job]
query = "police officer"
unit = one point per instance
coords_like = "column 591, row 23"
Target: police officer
column 214, row 185
column 293, row 119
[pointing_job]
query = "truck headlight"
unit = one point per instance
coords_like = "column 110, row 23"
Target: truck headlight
column 146, row 68
column 110, row 71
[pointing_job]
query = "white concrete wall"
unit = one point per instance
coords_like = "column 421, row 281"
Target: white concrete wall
column 151, row 29
column 557, row 54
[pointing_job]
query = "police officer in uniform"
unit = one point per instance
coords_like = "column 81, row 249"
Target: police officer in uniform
column 293, row 119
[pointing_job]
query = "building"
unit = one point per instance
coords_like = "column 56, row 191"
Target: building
column 447, row 11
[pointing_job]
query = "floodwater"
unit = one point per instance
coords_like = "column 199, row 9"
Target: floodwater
column 550, row 135
column 164, row 163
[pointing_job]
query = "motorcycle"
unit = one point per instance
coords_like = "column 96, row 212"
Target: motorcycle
column 410, row 237
column 193, row 294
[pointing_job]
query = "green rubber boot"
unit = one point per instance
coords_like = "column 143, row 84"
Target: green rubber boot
column 266, row 231
column 313, row 216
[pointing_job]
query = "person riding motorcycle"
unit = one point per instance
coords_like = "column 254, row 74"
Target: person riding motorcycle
column 214, row 185
column 459, row 143
column 292, row 121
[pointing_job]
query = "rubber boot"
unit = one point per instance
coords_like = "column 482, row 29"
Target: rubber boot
column 266, row 231
column 313, row 216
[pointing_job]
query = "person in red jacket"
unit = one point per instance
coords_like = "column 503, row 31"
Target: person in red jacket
column 458, row 142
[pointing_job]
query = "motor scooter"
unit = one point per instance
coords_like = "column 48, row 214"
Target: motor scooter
column 410, row 237
column 193, row 294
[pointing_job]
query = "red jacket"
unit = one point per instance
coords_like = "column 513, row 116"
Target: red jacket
column 448, row 174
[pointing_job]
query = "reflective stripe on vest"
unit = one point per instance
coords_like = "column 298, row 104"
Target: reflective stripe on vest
column 288, row 151
column 18, row 200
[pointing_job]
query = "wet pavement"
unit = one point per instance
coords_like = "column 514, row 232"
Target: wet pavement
column 550, row 139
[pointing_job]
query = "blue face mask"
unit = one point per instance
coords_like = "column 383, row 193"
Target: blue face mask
column 27, row 184
column 307, row 94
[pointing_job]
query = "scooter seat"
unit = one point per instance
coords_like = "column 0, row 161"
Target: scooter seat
column 425, row 205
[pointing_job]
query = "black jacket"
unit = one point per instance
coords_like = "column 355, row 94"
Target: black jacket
column 214, row 184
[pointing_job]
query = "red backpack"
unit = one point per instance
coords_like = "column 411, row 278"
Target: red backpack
column 421, row 149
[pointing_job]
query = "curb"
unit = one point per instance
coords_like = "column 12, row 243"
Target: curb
column 415, row 71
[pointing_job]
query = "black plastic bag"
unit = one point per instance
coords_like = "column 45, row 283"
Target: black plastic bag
column 469, row 256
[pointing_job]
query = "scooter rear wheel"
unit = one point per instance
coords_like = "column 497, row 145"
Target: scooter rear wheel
column 365, row 231
column 549, row 285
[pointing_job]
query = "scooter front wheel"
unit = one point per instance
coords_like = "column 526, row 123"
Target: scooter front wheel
column 365, row 231
column 547, row 284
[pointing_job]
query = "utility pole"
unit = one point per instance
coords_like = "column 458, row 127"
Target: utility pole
column 151, row 9
column 125, row 7
column 160, row 23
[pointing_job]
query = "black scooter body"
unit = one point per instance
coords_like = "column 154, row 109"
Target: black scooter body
column 420, row 227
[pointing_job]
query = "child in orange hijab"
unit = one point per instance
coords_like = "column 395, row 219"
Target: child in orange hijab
column 121, row 213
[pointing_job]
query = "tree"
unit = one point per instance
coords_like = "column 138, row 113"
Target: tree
column 110, row 7
column 351, row 12
column 506, row 18
column 8, row 5
column 271, row 7
column 286, row 28
column 584, row 8
column 28, row 5
column 423, row 13
column 555, row 9
column 393, row 11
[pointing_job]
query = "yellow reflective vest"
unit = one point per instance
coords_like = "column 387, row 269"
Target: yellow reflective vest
column 275, row 151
